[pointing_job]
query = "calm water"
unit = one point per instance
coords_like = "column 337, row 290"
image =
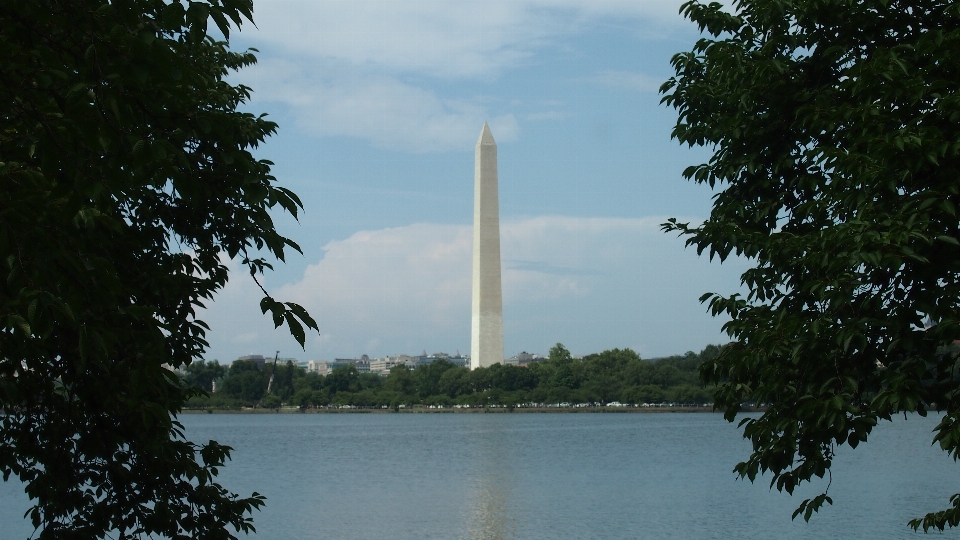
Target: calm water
column 548, row 476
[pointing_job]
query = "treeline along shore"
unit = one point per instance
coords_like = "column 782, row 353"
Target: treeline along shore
column 548, row 408
column 616, row 378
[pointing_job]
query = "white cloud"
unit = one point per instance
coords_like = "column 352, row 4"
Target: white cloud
column 379, row 108
column 367, row 68
column 463, row 38
column 592, row 283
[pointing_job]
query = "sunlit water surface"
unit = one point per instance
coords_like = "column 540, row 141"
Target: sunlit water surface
column 548, row 476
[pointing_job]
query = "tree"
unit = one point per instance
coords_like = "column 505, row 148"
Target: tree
column 202, row 374
column 239, row 367
column 400, row 380
column 126, row 185
column 455, row 382
column 252, row 385
column 272, row 402
column 559, row 353
column 834, row 126
column 283, row 377
column 428, row 377
column 342, row 379
column 302, row 398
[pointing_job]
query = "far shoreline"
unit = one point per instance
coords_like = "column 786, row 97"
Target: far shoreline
column 474, row 410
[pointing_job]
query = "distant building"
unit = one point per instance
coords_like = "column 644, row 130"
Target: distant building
column 410, row 361
column 284, row 361
column 339, row 363
column 362, row 364
column 523, row 359
column 456, row 360
column 258, row 358
column 382, row 366
column 459, row 361
column 319, row 367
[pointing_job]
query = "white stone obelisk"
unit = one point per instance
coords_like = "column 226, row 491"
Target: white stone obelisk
column 486, row 345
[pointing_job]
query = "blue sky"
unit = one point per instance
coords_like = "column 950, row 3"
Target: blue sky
column 380, row 104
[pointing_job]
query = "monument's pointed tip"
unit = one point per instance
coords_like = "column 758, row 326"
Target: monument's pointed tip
column 485, row 136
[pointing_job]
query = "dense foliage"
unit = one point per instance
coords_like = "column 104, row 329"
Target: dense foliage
column 610, row 376
column 126, row 184
column 835, row 130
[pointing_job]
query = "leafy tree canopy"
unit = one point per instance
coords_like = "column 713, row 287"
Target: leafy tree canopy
column 835, row 129
column 126, row 183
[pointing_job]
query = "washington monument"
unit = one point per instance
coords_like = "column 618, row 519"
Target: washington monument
column 486, row 343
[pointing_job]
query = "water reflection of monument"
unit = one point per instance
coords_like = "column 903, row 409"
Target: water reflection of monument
column 490, row 504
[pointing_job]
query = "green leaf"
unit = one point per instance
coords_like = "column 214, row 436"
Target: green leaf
column 295, row 328
column 18, row 322
column 948, row 239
